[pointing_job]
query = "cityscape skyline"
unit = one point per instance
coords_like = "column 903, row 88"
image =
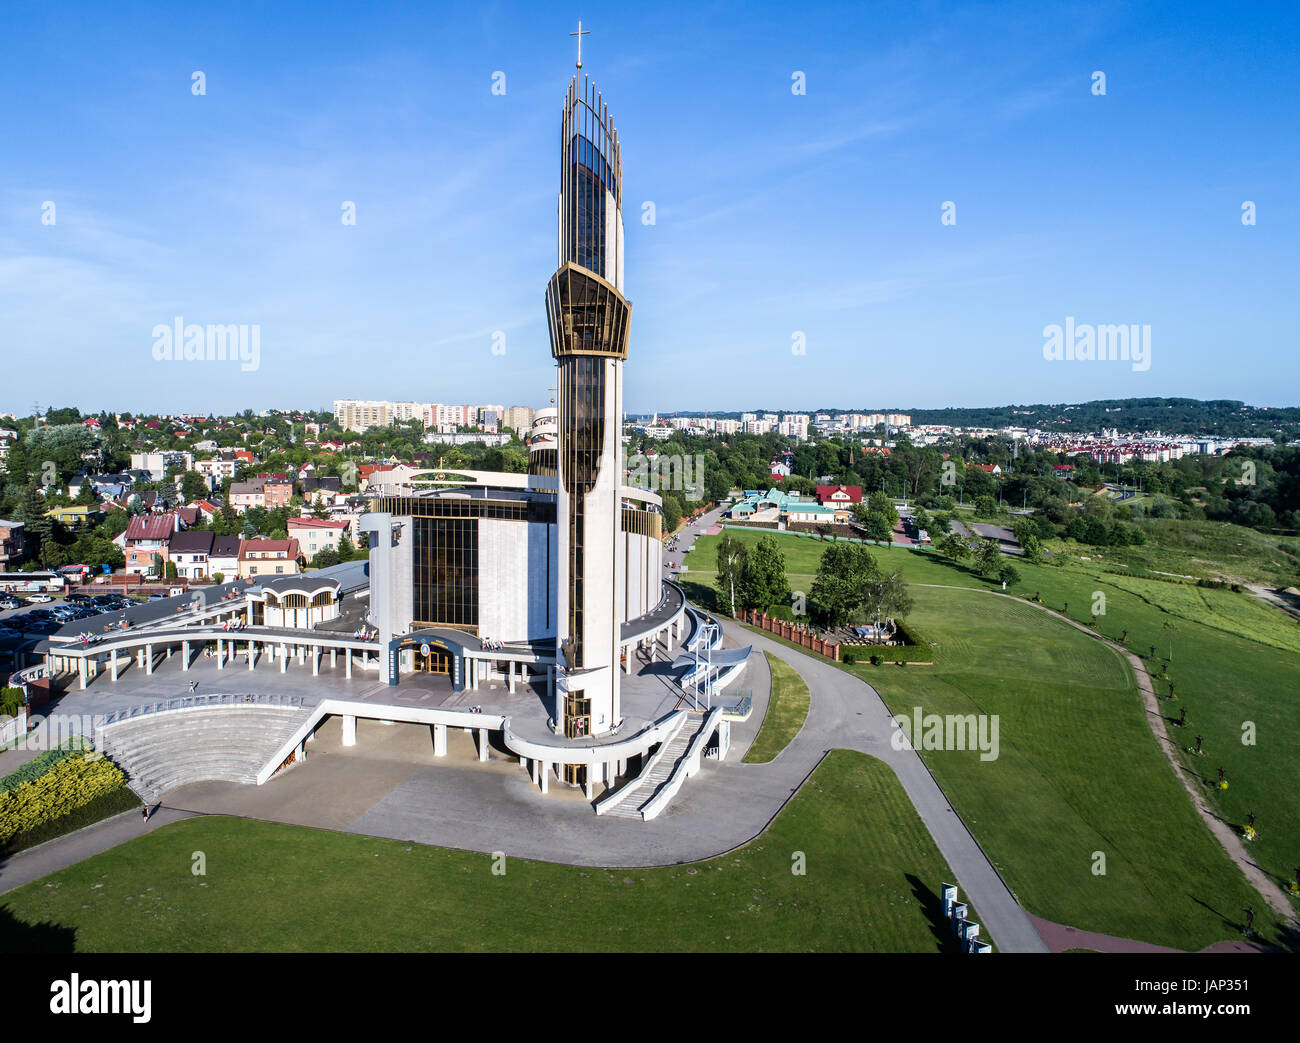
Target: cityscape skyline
column 228, row 207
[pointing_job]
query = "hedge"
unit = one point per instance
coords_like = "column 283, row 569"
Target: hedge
column 71, row 784
column 11, row 701
column 38, row 766
column 114, row 802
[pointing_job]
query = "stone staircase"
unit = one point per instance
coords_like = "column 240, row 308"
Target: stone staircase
column 644, row 787
column 228, row 743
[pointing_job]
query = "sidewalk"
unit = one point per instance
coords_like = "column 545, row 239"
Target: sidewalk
column 61, row 852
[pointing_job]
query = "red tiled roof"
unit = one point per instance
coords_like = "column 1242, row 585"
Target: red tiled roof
column 853, row 492
column 151, row 527
column 281, row 548
column 316, row 523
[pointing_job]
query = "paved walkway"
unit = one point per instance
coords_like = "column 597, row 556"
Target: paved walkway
column 61, row 852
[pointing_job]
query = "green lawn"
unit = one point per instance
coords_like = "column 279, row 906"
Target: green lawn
column 1078, row 772
column 787, row 709
column 1079, row 717
column 871, row 883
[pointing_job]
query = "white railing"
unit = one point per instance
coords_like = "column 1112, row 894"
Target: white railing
column 609, row 801
column 689, row 765
column 191, row 702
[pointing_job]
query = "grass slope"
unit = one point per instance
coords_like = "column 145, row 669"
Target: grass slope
column 871, row 883
column 787, row 709
column 1232, row 667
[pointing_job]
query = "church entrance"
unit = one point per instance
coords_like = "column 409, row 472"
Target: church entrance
column 434, row 661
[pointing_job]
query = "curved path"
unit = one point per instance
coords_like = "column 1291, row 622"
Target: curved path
column 847, row 713
column 1224, row 833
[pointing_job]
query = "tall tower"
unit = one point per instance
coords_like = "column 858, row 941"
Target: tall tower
column 588, row 319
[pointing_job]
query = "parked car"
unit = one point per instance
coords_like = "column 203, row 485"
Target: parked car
column 157, row 595
column 40, row 599
column 8, row 603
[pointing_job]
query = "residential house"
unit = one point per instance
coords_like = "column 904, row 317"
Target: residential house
column 259, row 558
column 316, row 534
column 223, row 559
column 13, row 543
column 189, row 551
column 841, row 498
column 147, row 537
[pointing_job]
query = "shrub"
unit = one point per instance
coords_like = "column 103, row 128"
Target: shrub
column 847, row 658
column 39, row 765
column 11, row 701
column 71, row 784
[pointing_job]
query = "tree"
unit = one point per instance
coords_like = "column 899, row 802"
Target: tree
column 879, row 503
column 952, row 547
column 346, row 551
column 988, row 558
column 888, row 597
column 877, row 527
column 193, row 486
column 1008, row 573
column 841, row 586
column 730, row 569
column 672, row 511
column 325, row 558
column 763, row 581
column 31, row 512
column 986, row 505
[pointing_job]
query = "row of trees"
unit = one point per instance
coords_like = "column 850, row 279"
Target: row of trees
column 850, row 587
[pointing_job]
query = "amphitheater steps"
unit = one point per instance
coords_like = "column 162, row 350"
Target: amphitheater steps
column 158, row 752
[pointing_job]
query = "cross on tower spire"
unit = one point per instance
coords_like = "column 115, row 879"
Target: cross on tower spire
column 580, row 34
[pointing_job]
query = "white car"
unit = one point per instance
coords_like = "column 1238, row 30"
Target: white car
column 40, row 599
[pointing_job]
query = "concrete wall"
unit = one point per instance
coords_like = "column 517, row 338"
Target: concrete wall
column 516, row 579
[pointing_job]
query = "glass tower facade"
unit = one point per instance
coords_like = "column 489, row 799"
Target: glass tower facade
column 588, row 318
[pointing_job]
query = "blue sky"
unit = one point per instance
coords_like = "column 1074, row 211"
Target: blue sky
column 775, row 213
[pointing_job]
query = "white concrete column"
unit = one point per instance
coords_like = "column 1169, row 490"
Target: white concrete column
column 221, row 655
column 148, row 660
column 334, row 658
column 532, row 768
column 510, row 677
column 112, row 659
column 185, row 657
column 252, row 653
column 315, row 662
column 347, row 663
column 440, row 740
column 81, row 671
column 284, row 661
column 627, row 660
column 482, row 744
column 546, row 775
column 302, row 654
column 349, row 730
column 588, row 787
